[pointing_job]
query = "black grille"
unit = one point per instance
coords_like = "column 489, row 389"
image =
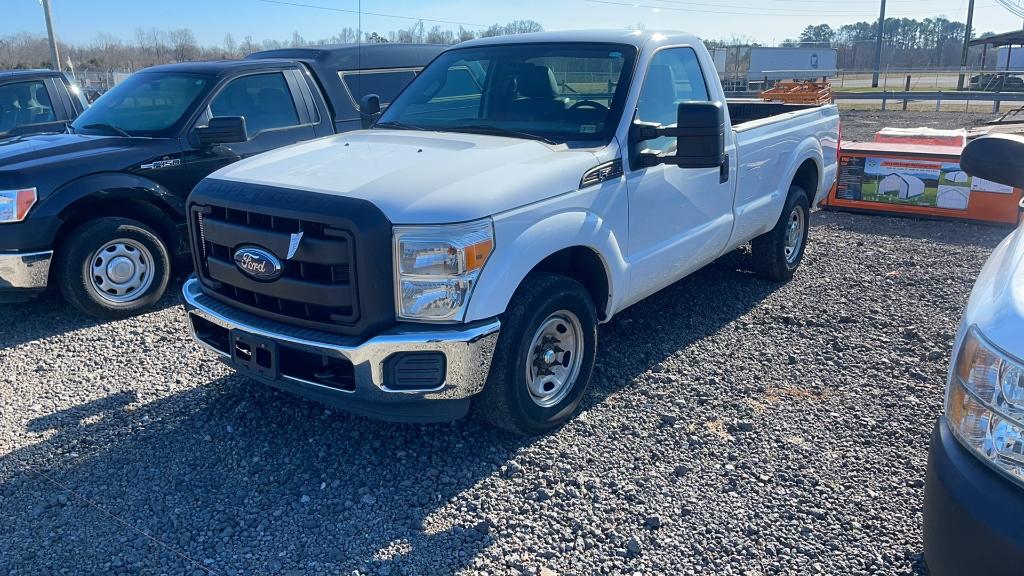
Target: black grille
column 317, row 285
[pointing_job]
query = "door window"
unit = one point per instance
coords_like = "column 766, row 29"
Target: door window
column 673, row 76
column 23, row 103
column 385, row 84
column 264, row 100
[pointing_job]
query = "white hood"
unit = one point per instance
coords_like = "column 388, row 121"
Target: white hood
column 997, row 301
column 421, row 177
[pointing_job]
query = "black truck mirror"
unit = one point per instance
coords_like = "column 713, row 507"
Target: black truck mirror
column 369, row 109
column 699, row 133
column 996, row 157
column 223, row 130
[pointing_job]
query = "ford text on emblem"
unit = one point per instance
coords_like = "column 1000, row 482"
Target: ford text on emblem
column 258, row 263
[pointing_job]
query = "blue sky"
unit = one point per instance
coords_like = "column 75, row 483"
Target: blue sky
column 766, row 21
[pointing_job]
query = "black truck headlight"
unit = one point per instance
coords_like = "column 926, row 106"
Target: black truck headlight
column 985, row 404
column 436, row 268
column 15, row 204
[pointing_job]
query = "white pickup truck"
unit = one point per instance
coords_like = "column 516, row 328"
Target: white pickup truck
column 521, row 190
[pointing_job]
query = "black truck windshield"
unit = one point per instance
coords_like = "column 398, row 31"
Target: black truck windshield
column 561, row 92
column 146, row 104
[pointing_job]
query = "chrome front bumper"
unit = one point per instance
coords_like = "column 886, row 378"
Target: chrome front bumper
column 468, row 350
column 25, row 271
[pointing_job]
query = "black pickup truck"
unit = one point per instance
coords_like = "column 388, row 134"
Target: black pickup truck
column 99, row 210
column 36, row 101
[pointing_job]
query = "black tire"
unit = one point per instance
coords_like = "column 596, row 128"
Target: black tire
column 770, row 249
column 506, row 401
column 75, row 259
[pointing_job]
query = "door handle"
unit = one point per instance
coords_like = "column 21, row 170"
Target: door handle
column 723, row 171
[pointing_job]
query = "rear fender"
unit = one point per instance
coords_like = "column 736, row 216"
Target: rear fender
column 761, row 215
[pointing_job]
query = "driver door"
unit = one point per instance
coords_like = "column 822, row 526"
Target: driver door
column 679, row 218
column 275, row 116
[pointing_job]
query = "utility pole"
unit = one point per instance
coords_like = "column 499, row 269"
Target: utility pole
column 54, row 56
column 878, row 46
column 967, row 45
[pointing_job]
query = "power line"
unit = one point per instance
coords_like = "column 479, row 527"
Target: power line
column 380, row 14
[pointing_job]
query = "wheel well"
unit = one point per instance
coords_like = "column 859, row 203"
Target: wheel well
column 586, row 267
column 162, row 220
column 806, row 177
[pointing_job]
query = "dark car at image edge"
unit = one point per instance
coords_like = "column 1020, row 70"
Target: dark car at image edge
column 37, row 101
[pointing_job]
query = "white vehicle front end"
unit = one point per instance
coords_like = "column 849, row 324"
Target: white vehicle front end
column 974, row 492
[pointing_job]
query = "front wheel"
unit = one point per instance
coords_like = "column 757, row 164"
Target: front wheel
column 544, row 358
column 778, row 252
column 113, row 268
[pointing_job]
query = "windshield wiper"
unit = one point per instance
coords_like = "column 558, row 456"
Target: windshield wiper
column 111, row 127
column 397, row 125
column 497, row 131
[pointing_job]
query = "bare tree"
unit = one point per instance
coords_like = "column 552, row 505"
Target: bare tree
column 248, row 46
column 184, row 47
column 230, row 46
column 466, row 34
column 151, row 46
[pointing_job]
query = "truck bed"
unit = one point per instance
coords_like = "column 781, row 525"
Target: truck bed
column 745, row 111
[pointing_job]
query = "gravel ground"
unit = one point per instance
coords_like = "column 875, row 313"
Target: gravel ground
column 861, row 125
column 735, row 426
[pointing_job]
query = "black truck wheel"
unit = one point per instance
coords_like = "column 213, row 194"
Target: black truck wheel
column 544, row 357
column 112, row 268
column 778, row 252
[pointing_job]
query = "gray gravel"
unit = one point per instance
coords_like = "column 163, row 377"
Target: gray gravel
column 736, row 426
column 861, row 125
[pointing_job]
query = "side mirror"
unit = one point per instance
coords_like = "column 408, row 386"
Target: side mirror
column 369, row 109
column 997, row 157
column 223, row 130
column 699, row 133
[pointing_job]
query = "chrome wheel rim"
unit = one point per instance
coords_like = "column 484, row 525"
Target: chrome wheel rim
column 121, row 271
column 794, row 234
column 554, row 358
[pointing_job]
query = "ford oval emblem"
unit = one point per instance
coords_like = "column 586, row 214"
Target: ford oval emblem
column 258, row 263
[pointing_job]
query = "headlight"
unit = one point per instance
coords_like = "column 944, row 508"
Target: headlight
column 985, row 404
column 15, row 204
column 436, row 268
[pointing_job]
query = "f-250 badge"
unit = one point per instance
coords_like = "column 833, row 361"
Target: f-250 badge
column 165, row 162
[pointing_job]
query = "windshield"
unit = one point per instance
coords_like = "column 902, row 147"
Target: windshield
column 558, row 92
column 146, row 104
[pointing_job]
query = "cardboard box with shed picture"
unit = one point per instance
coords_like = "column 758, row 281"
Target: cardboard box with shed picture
column 917, row 179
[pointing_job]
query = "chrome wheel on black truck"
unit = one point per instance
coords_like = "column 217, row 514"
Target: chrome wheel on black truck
column 544, row 358
column 113, row 267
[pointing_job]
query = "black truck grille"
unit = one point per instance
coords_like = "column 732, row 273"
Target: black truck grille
column 317, row 286
column 340, row 278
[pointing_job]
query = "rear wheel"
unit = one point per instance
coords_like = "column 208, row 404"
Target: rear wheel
column 544, row 358
column 778, row 252
column 113, row 268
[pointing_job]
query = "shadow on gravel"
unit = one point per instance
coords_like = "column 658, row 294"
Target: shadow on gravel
column 234, row 475
column 697, row 306
column 49, row 315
